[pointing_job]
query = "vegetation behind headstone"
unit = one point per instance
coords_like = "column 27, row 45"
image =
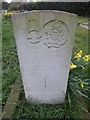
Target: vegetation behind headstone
column 80, row 8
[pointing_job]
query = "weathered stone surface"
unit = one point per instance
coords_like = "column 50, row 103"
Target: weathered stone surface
column 44, row 43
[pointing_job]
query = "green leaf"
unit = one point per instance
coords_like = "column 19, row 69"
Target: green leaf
column 69, row 100
column 82, row 94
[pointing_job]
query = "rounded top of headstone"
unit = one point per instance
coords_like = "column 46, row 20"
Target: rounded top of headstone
column 47, row 11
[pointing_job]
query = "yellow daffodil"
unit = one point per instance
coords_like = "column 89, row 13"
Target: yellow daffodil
column 78, row 55
column 81, row 85
column 8, row 13
column 86, row 58
column 72, row 66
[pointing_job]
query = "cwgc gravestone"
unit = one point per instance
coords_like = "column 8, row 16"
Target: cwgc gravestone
column 44, row 43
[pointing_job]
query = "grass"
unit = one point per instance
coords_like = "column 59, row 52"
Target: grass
column 81, row 37
column 10, row 61
column 0, row 62
column 82, row 19
column 81, row 40
column 11, row 71
column 27, row 110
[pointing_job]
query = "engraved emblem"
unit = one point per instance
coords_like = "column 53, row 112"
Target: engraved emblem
column 34, row 36
column 33, row 33
column 54, row 34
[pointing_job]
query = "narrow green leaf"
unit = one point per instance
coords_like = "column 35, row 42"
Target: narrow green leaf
column 82, row 94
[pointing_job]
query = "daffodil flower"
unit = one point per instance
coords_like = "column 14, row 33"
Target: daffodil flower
column 81, row 85
column 86, row 58
column 72, row 66
column 78, row 55
column 8, row 13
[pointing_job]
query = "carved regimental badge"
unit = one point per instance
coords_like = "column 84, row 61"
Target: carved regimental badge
column 56, row 33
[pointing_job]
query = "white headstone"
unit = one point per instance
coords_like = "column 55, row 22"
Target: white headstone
column 44, row 43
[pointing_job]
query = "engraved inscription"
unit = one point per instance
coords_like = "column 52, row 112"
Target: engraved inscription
column 31, row 20
column 45, row 83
